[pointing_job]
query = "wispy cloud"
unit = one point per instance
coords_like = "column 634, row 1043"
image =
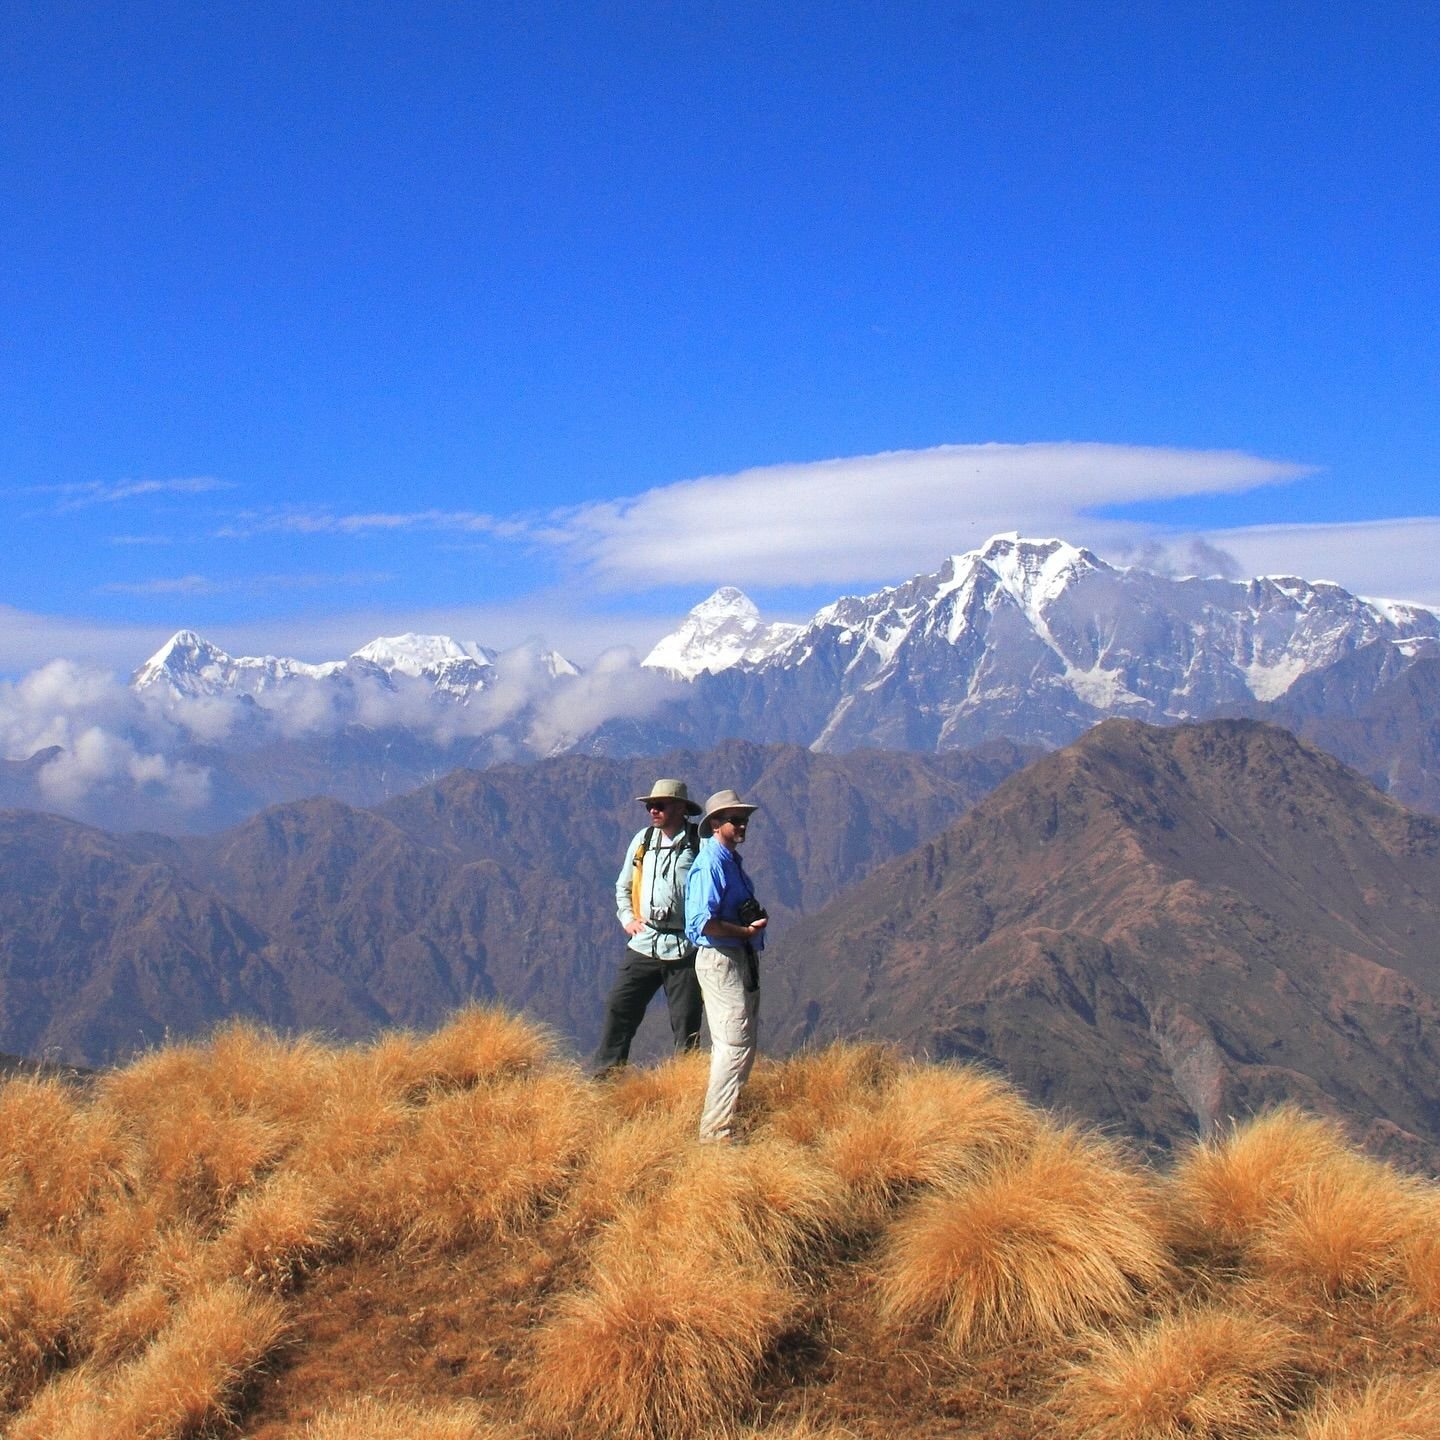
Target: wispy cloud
column 244, row 585
column 881, row 517
column 81, row 496
column 250, row 523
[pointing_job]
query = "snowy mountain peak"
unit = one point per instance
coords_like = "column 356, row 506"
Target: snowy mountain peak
column 189, row 666
column 417, row 655
column 726, row 603
column 1035, row 572
column 724, row 629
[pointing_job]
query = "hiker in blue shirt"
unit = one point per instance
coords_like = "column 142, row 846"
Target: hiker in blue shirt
column 650, row 905
column 726, row 924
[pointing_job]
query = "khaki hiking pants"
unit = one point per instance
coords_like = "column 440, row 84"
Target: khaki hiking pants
column 734, row 1016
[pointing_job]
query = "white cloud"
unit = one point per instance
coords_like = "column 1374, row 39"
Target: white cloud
column 1381, row 559
column 878, row 518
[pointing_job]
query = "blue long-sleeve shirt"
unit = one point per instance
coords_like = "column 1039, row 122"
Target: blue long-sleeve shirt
column 715, row 889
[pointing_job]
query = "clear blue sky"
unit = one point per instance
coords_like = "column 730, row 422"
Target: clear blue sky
column 328, row 320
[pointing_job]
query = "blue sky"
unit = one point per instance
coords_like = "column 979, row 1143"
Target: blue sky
column 328, row 321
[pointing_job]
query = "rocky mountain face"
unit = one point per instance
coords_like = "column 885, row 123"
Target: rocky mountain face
column 1037, row 641
column 1159, row 929
column 496, row 885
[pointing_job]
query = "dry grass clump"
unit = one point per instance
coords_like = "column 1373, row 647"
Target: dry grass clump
column 1065, row 1235
column 199, row 1145
column 1349, row 1226
column 360, row 1115
column 672, row 1089
column 372, row 1418
column 482, row 1161
column 1420, row 1262
column 59, row 1157
column 628, row 1162
column 1210, row 1372
column 277, row 1231
column 1225, row 1190
column 480, row 1044
column 802, row 1098
column 44, row 1307
column 657, row 1347
column 765, row 1204
column 1398, row 1407
column 185, row 1380
column 932, row 1128
column 691, row 1284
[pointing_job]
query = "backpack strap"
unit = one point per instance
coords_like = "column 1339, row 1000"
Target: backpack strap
column 635, row 874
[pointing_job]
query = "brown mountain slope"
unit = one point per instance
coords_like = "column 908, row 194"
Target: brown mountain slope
column 1158, row 928
column 105, row 946
column 488, row 885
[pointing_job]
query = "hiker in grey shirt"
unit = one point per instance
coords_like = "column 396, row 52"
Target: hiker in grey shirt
column 650, row 904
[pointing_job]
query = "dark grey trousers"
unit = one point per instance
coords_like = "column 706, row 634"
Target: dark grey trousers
column 636, row 982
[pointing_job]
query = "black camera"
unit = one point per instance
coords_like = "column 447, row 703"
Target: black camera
column 749, row 910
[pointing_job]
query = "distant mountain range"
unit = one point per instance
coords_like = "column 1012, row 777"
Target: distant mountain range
column 1156, row 928
column 1029, row 640
column 493, row 885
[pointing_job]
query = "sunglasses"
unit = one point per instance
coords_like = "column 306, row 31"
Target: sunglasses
column 732, row 819
column 659, row 804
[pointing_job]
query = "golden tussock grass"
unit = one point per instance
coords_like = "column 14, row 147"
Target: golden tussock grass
column 482, row 1161
column 482, row 1043
column 661, row 1345
column 930, row 1128
column 277, row 1231
column 1348, row 1225
column 803, row 1097
column 1420, row 1262
column 184, row 1380
column 1224, row 1190
column 1209, row 1372
column 59, row 1156
column 627, row 1163
column 44, row 1306
column 577, row 1258
column 372, row 1418
column 671, row 1089
column 479, row 1043
column 1065, row 1235
column 1399, row 1407
column 766, row 1203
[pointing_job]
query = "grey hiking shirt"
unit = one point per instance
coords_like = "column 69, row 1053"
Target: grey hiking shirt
column 664, row 869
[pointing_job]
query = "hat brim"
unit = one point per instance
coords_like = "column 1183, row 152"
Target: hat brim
column 707, row 828
column 692, row 807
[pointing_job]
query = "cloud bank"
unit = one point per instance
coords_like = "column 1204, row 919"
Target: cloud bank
column 879, row 518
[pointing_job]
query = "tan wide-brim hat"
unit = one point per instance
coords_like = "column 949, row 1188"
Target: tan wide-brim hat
column 723, row 800
column 670, row 790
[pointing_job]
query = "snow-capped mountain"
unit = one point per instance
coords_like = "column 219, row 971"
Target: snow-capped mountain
column 189, row 667
column 721, row 631
column 1037, row 640
column 1028, row 640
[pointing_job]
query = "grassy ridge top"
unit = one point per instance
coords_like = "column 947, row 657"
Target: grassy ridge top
column 456, row 1235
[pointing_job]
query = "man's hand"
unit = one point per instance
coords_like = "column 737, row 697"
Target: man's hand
column 635, row 926
column 759, row 925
